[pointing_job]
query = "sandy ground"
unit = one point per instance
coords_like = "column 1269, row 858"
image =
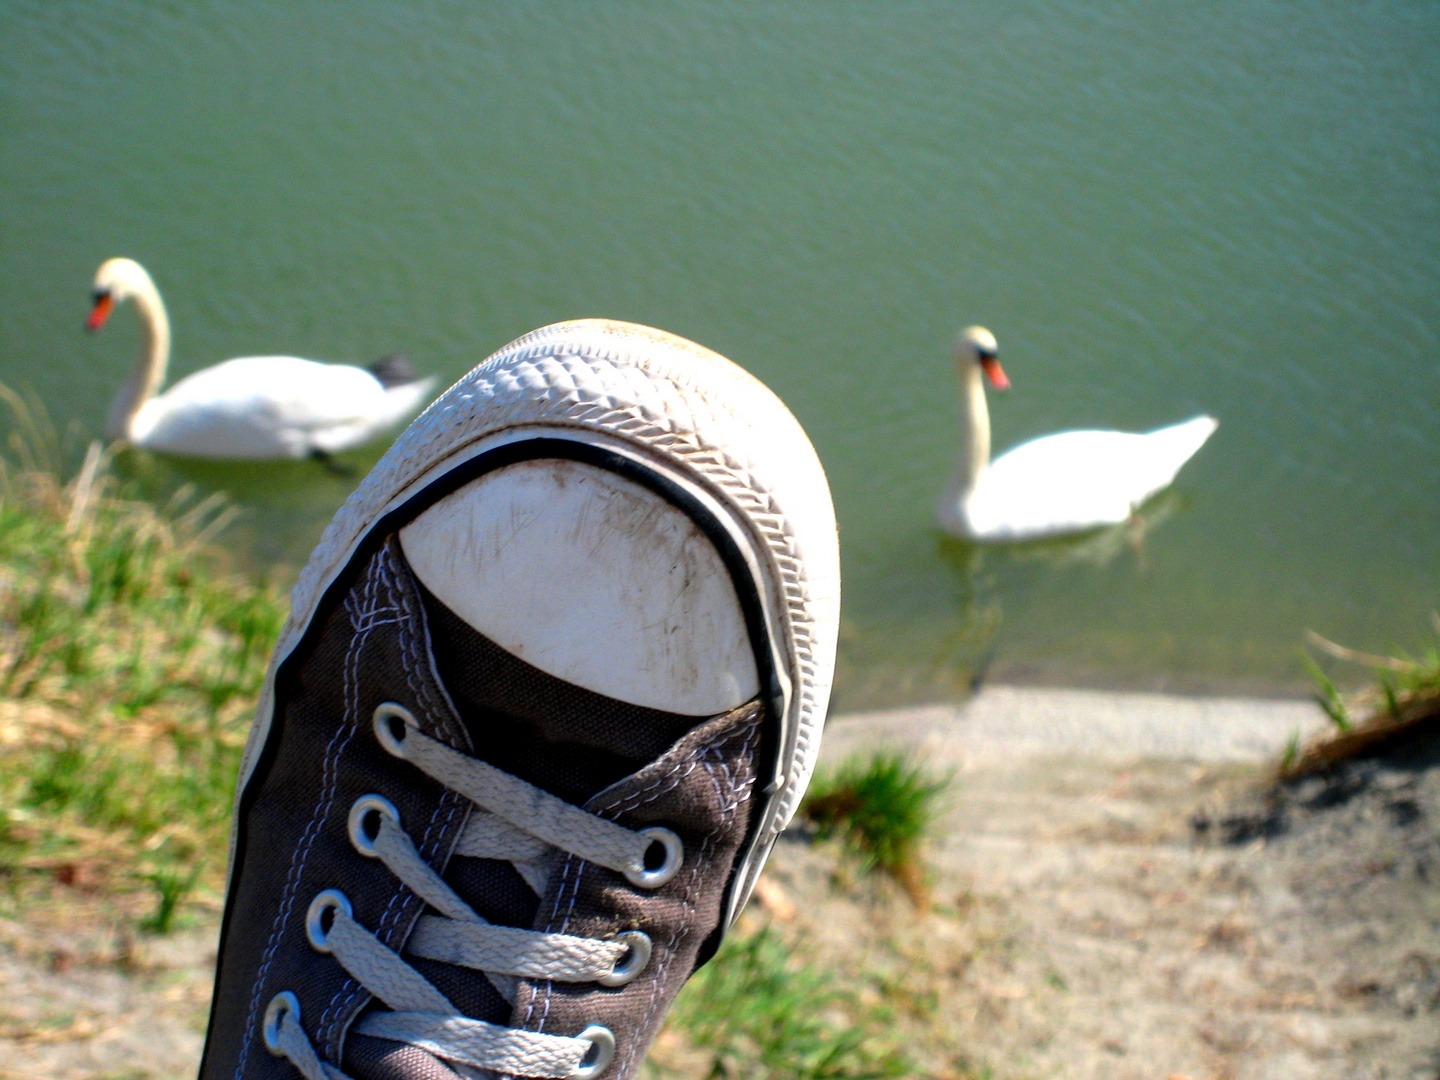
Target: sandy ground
column 1119, row 898
column 1114, row 898
column 80, row 998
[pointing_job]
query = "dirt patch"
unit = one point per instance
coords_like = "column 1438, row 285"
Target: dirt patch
column 84, row 998
column 1163, row 918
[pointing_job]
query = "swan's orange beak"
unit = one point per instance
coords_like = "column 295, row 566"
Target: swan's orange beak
column 104, row 304
column 994, row 372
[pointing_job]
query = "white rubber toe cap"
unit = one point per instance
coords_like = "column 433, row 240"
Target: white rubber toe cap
column 591, row 578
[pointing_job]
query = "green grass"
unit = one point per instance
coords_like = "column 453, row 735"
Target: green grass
column 881, row 808
column 1328, row 695
column 130, row 659
column 755, row 1013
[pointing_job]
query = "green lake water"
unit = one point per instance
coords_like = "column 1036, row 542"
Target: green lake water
column 1159, row 209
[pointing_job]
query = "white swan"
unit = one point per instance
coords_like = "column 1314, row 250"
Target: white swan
column 1061, row 483
column 249, row 407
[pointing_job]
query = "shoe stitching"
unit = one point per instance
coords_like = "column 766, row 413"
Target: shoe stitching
column 437, row 712
column 402, row 898
column 620, row 804
column 724, row 787
column 733, row 783
column 687, row 904
column 307, row 838
column 572, row 864
column 657, row 983
column 426, row 712
column 721, row 738
column 533, row 990
column 374, row 620
column 578, row 868
column 670, row 780
column 727, row 815
column 345, row 996
column 297, row 867
column 374, row 579
column 675, row 781
column 412, row 664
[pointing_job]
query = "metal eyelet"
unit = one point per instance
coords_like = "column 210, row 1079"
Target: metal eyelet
column 674, row 856
column 597, row 1059
column 329, row 900
column 632, row 961
column 363, row 808
column 384, row 713
column 282, row 1003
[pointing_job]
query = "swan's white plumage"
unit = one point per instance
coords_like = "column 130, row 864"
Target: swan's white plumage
column 1062, row 483
column 1077, row 480
column 248, row 407
column 272, row 407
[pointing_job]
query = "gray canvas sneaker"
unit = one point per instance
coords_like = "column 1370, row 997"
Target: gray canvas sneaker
column 551, row 686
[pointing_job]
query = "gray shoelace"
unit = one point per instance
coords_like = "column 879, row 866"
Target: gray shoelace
column 512, row 820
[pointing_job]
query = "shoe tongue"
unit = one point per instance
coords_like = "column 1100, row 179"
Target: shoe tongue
column 567, row 740
column 558, row 736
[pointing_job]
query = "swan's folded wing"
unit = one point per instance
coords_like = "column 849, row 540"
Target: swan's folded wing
column 1077, row 480
column 261, row 406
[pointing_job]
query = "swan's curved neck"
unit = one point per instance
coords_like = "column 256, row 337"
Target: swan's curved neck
column 974, row 435
column 149, row 373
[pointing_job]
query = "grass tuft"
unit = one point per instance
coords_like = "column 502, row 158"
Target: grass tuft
column 130, row 659
column 1328, row 696
column 755, row 1013
column 881, row 808
column 172, row 884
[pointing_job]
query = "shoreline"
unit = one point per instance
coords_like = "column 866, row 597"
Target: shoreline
column 882, row 690
column 1139, row 680
column 1013, row 722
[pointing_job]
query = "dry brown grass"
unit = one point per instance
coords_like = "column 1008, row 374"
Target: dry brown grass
column 1403, row 703
column 130, row 658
